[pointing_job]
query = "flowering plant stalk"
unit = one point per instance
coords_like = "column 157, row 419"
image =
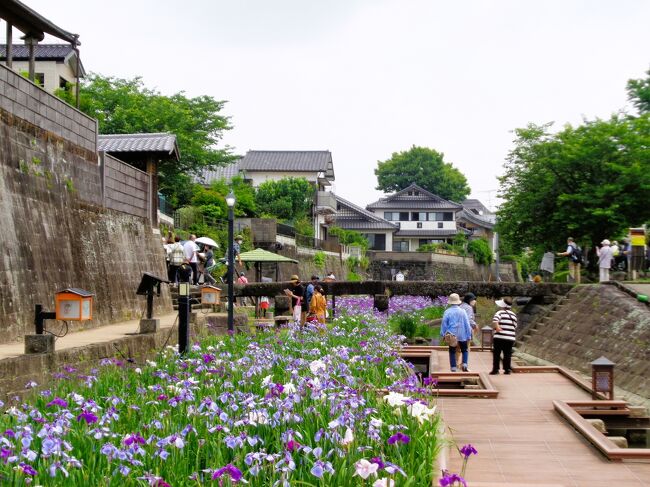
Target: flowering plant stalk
column 295, row 408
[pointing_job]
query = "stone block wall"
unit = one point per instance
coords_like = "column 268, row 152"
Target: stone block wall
column 598, row 320
column 55, row 232
column 126, row 188
column 27, row 101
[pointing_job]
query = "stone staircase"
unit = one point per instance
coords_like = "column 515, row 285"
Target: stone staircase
column 537, row 325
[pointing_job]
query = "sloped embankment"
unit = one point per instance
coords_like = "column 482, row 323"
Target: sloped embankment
column 593, row 321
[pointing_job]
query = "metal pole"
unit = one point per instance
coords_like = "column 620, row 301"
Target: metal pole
column 38, row 319
column 496, row 242
column 183, row 317
column 231, row 266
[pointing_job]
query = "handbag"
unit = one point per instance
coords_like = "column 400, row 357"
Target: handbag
column 450, row 339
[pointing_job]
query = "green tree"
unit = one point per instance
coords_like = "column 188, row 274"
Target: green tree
column 638, row 92
column 425, row 167
column 349, row 237
column 590, row 181
column 127, row 106
column 287, row 199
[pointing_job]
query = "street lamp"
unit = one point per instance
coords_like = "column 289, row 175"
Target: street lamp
column 230, row 201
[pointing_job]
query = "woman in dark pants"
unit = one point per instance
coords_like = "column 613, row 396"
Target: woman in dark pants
column 505, row 326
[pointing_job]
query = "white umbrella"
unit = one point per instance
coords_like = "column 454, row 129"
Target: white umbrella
column 207, row 241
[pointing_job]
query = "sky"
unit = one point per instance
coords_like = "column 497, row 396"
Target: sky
column 367, row 78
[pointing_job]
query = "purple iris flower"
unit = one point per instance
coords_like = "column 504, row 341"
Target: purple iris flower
column 398, row 437
column 135, row 438
column 57, row 401
column 451, row 479
column 468, row 450
column 161, row 483
column 4, row 454
column 88, row 417
column 293, row 445
column 28, row 469
column 430, row 381
column 378, row 461
column 233, row 472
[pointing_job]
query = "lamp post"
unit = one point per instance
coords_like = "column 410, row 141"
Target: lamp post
column 230, row 201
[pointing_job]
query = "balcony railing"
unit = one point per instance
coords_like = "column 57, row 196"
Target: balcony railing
column 164, row 206
column 325, row 201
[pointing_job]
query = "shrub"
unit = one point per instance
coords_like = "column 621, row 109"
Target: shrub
column 404, row 324
column 320, row 259
column 480, row 249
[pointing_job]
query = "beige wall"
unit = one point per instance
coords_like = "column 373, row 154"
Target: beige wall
column 258, row 178
column 51, row 70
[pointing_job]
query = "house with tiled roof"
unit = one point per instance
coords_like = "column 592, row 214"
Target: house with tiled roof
column 144, row 152
column 55, row 66
column 420, row 216
column 378, row 231
column 259, row 166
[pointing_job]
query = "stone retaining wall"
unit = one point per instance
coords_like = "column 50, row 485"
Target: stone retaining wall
column 598, row 320
column 55, row 232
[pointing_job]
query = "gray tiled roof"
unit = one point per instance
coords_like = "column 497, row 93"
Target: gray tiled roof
column 474, row 204
column 226, row 172
column 481, row 220
column 429, row 233
column 288, row 161
column 422, row 200
column 43, row 51
column 352, row 217
column 160, row 142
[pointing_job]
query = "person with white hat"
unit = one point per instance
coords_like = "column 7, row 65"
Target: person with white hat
column 505, row 327
column 605, row 256
column 456, row 331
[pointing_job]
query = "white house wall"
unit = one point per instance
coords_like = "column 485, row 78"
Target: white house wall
column 258, row 178
column 51, row 71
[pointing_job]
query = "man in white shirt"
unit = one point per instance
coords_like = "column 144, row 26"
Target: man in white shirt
column 399, row 276
column 191, row 251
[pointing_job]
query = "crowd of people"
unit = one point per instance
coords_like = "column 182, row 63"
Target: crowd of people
column 308, row 302
column 193, row 260
column 459, row 327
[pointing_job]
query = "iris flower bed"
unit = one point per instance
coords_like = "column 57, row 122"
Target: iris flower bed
column 296, row 408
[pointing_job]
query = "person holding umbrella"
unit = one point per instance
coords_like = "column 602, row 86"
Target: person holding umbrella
column 207, row 258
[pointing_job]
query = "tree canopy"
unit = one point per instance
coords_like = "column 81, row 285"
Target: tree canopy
column 638, row 92
column 425, row 167
column 288, row 199
column 590, row 182
column 128, row 106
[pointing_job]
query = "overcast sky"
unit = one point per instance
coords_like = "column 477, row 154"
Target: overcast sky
column 366, row 78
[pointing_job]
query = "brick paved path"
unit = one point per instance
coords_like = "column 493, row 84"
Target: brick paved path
column 522, row 441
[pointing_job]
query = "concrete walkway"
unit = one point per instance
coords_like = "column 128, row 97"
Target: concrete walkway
column 640, row 288
column 520, row 439
column 105, row 333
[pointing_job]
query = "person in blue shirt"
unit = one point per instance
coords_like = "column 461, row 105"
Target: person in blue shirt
column 456, row 322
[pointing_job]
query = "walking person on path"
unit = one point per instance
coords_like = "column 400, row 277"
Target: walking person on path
column 605, row 257
column 176, row 260
column 574, row 254
column 469, row 301
column 191, row 251
column 318, row 304
column 455, row 322
column 505, row 326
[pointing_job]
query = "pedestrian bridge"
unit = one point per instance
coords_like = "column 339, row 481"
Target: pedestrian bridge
column 414, row 288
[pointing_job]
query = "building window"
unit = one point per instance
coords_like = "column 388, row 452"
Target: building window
column 400, row 245
column 376, row 241
column 419, row 224
column 440, row 225
column 446, row 216
column 403, row 216
column 39, row 79
column 418, row 216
